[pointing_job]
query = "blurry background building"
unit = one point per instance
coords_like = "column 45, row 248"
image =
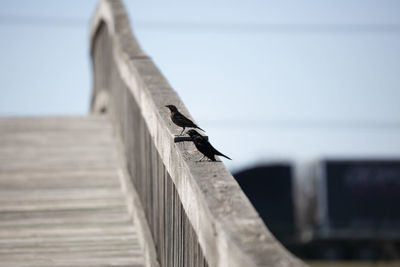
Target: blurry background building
column 350, row 213
column 307, row 92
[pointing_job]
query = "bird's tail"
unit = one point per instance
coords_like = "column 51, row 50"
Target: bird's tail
column 197, row 127
column 222, row 155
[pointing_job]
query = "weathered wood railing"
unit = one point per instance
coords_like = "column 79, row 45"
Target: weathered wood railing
column 195, row 212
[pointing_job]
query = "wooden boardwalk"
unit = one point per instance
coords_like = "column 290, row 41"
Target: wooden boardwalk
column 61, row 202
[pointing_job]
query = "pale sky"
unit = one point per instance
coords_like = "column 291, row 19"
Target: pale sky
column 268, row 80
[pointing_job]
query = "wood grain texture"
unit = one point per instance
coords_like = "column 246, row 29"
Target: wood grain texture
column 61, row 203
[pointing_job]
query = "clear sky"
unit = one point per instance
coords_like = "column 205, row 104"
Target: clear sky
column 268, row 80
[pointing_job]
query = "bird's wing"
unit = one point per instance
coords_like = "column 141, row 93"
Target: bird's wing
column 201, row 143
column 181, row 118
column 204, row 146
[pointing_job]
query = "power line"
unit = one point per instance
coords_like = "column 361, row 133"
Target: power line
column 221, row 27
column 307, row 124
column 266, row 27
column 41, row 21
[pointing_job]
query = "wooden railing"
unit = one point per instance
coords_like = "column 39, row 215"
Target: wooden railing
column 195, row 212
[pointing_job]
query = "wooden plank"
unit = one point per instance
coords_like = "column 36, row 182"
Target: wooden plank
column 46, row 184
column 59, row 160
column 81, row 240
column 57, row 146
column 56, row 168
column 59, row 194
column 74, row 204
column 25, row 152
column 67, row 231
column 57, row 141
column 65, row 165
column 84, row 123
column 71, row 217
column 75, row 173
column 133, row 248
column 97, row 262
column 71, row 178
column 66, row 254
column 61, row 214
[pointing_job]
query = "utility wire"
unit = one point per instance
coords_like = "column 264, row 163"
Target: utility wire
column 266, row 27
column 41, row 21
column 219, row 27
column 308, row 124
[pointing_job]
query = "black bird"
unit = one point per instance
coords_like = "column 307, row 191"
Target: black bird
column 181, row 120
column 204, row 146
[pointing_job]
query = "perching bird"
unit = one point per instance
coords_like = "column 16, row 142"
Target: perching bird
column 204, row 146
column 181, row 120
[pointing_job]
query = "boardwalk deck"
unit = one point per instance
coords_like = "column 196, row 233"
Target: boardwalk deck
column 61, row 203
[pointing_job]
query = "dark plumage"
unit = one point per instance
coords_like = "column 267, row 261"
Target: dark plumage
column 204, row 146
column 180, row 120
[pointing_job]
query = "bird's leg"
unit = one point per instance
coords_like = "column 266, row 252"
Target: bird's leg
column 182, row 131
column 201, row 158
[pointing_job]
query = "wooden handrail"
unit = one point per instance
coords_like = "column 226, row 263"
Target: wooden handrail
column 196, row 212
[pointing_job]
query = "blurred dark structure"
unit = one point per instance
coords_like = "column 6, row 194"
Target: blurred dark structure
column 269, row 189
column 356, row 214
column 359, row 199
